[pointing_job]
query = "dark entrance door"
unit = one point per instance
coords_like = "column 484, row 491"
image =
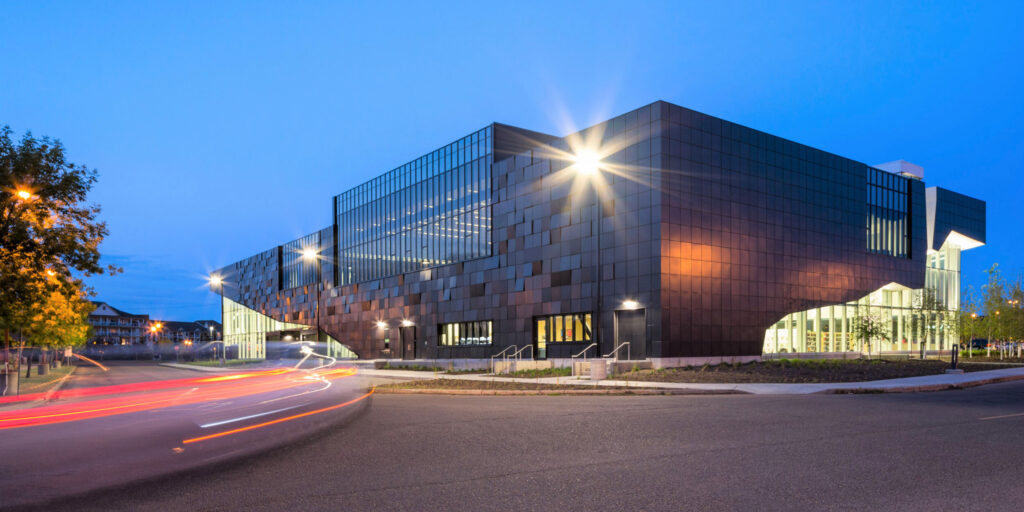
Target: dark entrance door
column 631, row 326
column 407, row 340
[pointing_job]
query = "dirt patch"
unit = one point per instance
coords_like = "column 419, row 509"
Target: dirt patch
column 794, row 371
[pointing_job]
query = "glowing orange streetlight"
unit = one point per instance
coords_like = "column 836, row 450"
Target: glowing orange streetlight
column 23, row 194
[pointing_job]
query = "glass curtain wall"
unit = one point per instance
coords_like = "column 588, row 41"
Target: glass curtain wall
column 888, row 213
column 432, row 211
column 247, row 329
column 297, row 270
column 907, row 319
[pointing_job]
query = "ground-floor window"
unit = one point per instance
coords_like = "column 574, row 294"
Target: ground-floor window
column 465, row 333
column 563, row 328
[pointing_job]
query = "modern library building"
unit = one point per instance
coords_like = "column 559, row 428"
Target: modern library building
column 661, row 234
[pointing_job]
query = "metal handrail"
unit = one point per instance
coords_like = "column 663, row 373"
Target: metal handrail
column 583, row 353
column 616, row 351
column 520, row 351
column 501, row 354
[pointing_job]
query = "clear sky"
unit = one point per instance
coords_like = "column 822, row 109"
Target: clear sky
column 221, row 129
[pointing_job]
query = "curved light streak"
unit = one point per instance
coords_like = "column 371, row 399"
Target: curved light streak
column 279, row 420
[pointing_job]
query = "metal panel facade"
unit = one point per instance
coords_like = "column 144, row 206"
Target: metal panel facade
column 714, row 229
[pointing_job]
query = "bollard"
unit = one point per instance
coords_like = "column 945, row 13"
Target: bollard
column 43, row 369
column 954, row 357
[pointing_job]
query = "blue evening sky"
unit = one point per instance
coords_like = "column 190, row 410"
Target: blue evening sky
column 221, row 129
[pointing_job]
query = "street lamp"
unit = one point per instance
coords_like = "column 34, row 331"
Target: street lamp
column 970, row 340
column 587, row 164
column 154, row 329
column 218, row 282
column 310, row 254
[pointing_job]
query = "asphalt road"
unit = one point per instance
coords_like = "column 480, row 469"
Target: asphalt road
column 140, row 421
column 122, row 372
column 953, row 450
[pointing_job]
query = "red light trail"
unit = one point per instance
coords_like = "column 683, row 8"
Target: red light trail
column 153, row 395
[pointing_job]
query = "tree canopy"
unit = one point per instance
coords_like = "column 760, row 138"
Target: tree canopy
column 49, row 238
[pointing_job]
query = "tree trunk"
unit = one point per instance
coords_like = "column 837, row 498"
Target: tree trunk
column 21, row 350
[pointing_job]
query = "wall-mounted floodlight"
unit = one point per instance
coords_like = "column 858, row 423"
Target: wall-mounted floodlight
column 587, row 162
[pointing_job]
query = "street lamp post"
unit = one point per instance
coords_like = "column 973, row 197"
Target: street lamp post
column 153, row 335
column 588, row 164
column 970, row 339
column 218, row 281
column 310, row 254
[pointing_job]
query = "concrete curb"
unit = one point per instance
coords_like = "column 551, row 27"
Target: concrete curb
column 523, row 392
column 921, row 389
column 208, row 369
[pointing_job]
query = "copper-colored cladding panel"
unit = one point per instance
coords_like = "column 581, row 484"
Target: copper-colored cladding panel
column 714, row 229
column 755, row 227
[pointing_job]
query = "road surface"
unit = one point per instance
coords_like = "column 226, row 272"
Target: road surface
column 139, row 421
column 952, row 450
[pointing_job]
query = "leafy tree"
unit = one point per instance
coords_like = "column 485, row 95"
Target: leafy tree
column 994, row 302
column 969, row 319
column 48, row 235
column 869, row 326
column 59, row 321
column 1014, row 321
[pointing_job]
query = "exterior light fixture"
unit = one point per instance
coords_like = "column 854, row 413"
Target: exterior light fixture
column 309, row 253
column 587, row 162
column 407, row 323
column 382, row 325
column 630, row 304
column 23, row 194
column 216, row 280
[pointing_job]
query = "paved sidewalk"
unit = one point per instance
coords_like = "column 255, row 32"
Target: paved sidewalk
column 903, row 385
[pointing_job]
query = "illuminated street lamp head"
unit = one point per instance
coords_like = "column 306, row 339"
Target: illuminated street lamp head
column 587, row 162
column 974, row 315
column 309, row 254
column 24, row 195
